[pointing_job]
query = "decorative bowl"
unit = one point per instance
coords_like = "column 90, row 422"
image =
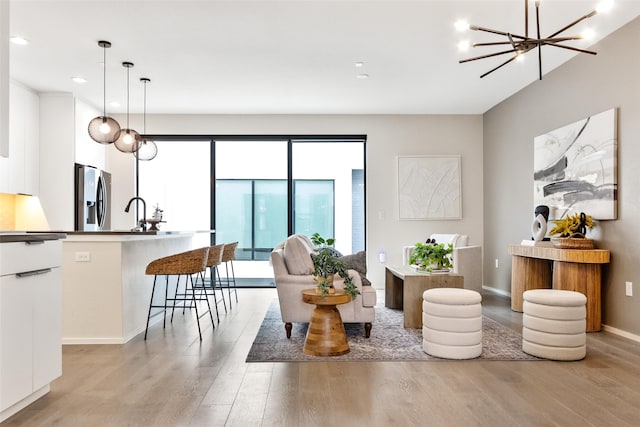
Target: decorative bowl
column 572, row 243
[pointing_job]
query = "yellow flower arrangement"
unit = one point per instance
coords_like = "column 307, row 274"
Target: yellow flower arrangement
column 572, row 225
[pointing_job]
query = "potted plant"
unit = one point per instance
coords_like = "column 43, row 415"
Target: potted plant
column 427, row 256
column 318, row 240
column 326, row 266
column 572, row 230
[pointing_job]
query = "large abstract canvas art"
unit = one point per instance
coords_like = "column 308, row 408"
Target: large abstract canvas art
column 429, row 187
column 575, row 168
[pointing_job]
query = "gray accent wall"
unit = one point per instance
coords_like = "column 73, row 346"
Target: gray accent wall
column 583, row 86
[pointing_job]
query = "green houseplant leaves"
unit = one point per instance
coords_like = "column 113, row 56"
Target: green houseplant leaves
column 427, row 255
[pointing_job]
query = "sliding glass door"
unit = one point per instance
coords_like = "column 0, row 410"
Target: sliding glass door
column 251, row 195
column 328, row 181
column 259, row 190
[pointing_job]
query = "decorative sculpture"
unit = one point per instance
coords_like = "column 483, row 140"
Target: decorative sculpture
column 539, row 226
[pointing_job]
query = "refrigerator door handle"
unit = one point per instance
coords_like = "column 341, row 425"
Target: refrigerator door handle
column 101, row 202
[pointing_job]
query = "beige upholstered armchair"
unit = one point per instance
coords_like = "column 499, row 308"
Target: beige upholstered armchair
column 467, row 260
column 292, row 268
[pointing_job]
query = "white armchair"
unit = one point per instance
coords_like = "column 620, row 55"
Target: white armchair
column 467, row 260
column 292, row 268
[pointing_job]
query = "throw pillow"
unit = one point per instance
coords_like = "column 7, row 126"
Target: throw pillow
column 358, row 262
column 297, row 256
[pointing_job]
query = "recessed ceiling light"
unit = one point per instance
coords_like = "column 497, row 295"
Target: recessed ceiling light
column 362, row 76
column 359, row 64
column 79, row 79
column 19, row 40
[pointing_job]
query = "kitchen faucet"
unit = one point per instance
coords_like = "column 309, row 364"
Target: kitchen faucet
column 140, row 222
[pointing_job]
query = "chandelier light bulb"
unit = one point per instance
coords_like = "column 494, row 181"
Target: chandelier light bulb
column 105, row 128
column 461, row 25
column 604, row 6
column 588, row 34
column 464, row 45
column 128, row 139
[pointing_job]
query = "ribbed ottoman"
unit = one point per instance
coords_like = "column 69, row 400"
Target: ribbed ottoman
column 554, row 324
column 452, row 323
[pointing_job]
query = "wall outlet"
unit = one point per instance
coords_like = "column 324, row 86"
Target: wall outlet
column 83, row 256
column 497, row 263
column 629, row 289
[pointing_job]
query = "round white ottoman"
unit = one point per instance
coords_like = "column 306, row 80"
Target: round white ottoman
column 554, row 324
column 452, row 323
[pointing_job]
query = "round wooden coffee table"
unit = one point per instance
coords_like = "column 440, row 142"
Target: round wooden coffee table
column 326, row 335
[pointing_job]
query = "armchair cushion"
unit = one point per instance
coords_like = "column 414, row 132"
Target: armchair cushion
column 297, row 256
column 457, row 240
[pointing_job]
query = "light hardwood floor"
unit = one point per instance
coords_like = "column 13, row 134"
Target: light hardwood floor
column 173, row 379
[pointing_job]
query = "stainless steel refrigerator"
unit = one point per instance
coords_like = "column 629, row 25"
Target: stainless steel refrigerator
column 93, row 197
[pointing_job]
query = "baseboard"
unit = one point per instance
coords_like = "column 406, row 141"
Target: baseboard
column 91, row 341
column 621, row 333
column 496, row 291
column 20, row 405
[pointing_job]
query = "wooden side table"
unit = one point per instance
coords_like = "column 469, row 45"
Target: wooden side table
column 326, row 335
column 404, row 288
column 579, row 270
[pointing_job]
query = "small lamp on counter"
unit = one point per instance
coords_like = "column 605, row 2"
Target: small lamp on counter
column 22, row 212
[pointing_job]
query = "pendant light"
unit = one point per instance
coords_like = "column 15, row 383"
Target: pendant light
column 103, row 129
column 147, row 149
column 127, row 140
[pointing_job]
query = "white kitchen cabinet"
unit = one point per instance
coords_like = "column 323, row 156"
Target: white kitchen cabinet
column 30, row 320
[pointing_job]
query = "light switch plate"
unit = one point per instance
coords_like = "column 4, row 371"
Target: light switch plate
column 629, row 289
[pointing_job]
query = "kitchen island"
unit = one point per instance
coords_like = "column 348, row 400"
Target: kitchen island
column 105, row 292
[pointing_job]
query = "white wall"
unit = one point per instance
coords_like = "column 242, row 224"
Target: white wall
column 388, row 137
column 64, row 141
column 582, row 87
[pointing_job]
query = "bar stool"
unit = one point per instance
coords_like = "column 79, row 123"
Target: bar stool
column 186, row 264
column 228, row 255
column 213, row 261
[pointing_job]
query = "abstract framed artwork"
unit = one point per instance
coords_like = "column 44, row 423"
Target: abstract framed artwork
column 429, row 187
column 575, row 168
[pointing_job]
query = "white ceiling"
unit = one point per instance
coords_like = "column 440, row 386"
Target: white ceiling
column 279, row 57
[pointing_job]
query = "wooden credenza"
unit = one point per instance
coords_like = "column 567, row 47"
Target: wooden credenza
column 540, row 267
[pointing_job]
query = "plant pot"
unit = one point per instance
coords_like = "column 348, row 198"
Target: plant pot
column 328, row 281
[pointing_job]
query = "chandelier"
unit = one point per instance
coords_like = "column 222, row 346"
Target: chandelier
column 519, row 44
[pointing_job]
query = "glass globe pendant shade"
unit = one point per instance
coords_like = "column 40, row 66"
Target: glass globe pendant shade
column 127, row 141
column 103, row 129
column 148, row 150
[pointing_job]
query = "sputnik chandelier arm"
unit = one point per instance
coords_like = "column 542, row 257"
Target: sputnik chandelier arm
column 521, row 44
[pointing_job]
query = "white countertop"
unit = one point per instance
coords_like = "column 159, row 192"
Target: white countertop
column 128, row 236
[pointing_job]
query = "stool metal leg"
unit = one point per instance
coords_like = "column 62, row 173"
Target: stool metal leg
column 229, row 279
column 146, row 330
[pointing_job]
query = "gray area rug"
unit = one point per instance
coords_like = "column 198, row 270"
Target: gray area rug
column 389, row 341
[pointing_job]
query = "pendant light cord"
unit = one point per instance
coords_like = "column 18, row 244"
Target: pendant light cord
column 144, row 109
column 104, row 81
column 128, row 98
